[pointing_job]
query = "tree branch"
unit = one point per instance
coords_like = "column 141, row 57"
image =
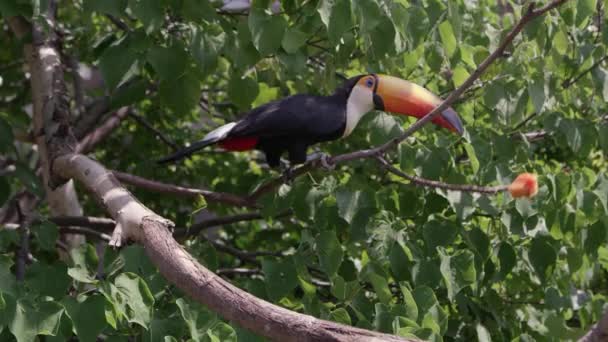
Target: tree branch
column 441, row 185
column 530, row 14
column 177, row 190
column 598, row 332
column 569, row 82
column 102, row 132
column 139, row 223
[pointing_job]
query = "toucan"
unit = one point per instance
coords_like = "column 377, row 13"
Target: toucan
column 294, row 123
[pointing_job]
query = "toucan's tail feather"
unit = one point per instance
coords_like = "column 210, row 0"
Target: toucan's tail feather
column 211, row 138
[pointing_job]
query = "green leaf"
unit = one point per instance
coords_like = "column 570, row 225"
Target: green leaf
column 462, row 202
column 5, row 190
column 472, row 157
column 6, row 140
column 242, row 91
column 602, row 254
column 180, row 95
column 85, row 261
column 48, row 279
column 601, row 191
column 205, row 49
column 8, row 283
column 169, row 62
column 266, row 31
column 401, row 261
column 458, row 271
column 584, row 10
column 280, row 277
column 46, row 234
column 459, row 76
column 118, row 63
column 410, row 303
column 447, row 38
column 32, row 319
column 351, row 202
column 340, row 315
column 293, row 40
column 336, row 15
column 195, row 10
column 15, row 8
column 197, row 318
column 536, row 90
column 87, row 315
column 507, row 258
column 132, row 296
column 221, row 332
column 439, row 233
column 542, row 256
column 381, row 288
column 28, row 178
column 265, row 95
column 113, row 7
column 150, row 12
column 329, row 251
column 560, row 42
column 480, row 242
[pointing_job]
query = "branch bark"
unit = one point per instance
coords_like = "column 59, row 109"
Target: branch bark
column 135, row 221
column 102, row 132
column 51, row 116
column 598, row 332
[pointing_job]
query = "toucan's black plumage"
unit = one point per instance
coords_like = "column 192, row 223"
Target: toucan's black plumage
column 294, row 123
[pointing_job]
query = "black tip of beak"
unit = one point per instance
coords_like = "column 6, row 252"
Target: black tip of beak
column 453, row 119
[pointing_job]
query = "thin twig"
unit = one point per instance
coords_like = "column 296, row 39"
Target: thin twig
column 241, row 271
column 141, row 120
column 569, row 82
column 224, row 220
column 177, row 190
column 441, row 185
column 240, row 254
column 85, row 231
column 118, row 23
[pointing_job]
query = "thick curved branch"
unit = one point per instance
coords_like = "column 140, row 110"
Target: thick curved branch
column 139, row 223
column 177, row 190
column 530, row 14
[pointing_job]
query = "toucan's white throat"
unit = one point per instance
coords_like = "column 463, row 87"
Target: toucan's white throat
column 360, row 102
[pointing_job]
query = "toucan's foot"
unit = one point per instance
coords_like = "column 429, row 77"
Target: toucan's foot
column 323, row 158
column 327, row 163
column 288, row 175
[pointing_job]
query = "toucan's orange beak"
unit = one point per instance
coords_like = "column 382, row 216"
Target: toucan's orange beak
column 404, row 97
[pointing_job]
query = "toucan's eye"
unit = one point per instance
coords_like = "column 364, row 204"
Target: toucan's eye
column 369, row 82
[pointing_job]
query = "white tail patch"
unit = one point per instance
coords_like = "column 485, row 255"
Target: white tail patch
column 220, row 132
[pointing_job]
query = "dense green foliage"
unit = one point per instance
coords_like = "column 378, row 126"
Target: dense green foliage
column 362, row 247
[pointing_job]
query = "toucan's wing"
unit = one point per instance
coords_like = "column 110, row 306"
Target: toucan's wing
column 298, row 115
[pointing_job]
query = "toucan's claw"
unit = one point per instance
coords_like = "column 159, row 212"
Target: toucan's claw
column 288, row 175
column 326, row 163
column 323, row 158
